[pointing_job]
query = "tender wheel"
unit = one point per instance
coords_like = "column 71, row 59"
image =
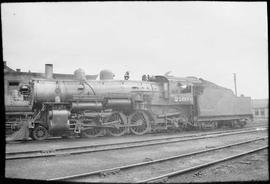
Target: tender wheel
column 117, row 130
column 140, row 121
column 93, row 132
column 39, row 133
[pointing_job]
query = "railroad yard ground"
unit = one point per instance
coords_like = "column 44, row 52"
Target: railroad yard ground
column 252, row 167
column 247, row 168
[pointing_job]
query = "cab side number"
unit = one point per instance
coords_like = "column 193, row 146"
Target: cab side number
column 182, row 99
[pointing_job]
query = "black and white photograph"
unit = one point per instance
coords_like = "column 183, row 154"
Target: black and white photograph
column 135, row 91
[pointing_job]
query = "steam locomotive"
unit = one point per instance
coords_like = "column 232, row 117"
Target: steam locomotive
column 91, row 108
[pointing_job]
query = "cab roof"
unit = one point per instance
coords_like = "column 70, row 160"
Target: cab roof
column 188, row 80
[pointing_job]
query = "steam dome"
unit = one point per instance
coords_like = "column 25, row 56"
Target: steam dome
column 79, row 74
column 106, row 75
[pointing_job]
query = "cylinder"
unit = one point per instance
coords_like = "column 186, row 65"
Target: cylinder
column 58, row 121
column 78, row 106
column 49, row 71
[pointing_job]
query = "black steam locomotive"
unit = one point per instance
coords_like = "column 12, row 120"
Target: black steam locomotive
column 52, row 107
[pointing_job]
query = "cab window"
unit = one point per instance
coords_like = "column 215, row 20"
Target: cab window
column 179, row 87
column 183, row 88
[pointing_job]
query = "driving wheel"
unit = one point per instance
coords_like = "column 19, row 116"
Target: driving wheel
column 119, row 128
column 139, row 123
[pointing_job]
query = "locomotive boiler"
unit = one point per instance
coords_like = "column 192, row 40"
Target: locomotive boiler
column 91, row 108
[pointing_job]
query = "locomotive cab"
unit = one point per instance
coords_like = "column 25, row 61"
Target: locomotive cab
column 181, row 92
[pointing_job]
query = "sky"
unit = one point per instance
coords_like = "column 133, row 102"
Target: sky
column 209, row 40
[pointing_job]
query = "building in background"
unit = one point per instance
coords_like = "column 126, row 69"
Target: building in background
column 260, row 109
column 6, row 68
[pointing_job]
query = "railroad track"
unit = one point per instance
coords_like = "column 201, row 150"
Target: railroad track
column 120, row 145
column 53, row 139
column 132, row 173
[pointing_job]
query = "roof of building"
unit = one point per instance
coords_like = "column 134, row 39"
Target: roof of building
column 42, row 75
column 260, row 103
column 10, row 72
column 8, row 69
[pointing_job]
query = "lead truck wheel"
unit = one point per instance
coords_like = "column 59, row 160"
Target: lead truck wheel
column 139, row 122
column 39, row 133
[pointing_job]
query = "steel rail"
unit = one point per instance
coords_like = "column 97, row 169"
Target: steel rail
column 50, row 139
column 121, row 145
column 116, row 169
column 182, row 171
column 42, row 153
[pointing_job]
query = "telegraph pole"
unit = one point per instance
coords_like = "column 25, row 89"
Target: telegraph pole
column 235, row 87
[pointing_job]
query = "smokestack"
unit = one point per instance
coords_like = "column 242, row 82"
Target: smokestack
column 18, row 70
column 49, row 71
